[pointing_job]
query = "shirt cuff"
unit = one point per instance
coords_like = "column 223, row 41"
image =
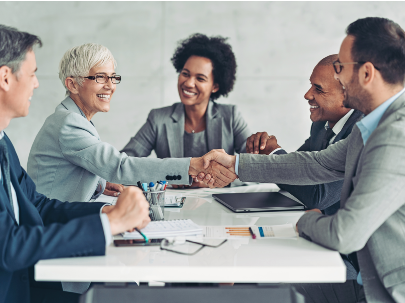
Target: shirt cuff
column 237, row 165
column 277, row 149
column 106, row 227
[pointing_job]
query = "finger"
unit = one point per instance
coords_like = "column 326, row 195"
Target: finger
column 256, row 143
column 223, row 170
column 249, row 144
column 263, row 140
column 201, row 176
column 108, row 192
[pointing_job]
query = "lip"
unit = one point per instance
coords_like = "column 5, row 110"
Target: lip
column 313, row 109
column 186, row 95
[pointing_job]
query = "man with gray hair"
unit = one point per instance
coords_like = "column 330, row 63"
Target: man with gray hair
column 34, row 227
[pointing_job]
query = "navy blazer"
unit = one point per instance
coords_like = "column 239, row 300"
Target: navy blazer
column 48, row 229
column 322, row 196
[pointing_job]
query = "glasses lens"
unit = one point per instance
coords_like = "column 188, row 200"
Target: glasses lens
column 101, row 79
column 337, row 66
column 116, row 79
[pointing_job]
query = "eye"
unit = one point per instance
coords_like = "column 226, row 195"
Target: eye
column 319, row 90
column 185, row 74
column 99, row 77
column 201, row 79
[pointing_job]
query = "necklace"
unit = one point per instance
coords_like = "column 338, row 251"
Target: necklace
column 199, row 124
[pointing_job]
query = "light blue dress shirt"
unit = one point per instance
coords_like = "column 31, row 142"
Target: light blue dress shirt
column 104, row 218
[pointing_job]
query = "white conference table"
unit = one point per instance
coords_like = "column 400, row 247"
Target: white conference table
column 238, row 260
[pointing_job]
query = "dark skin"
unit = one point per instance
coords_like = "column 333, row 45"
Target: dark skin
column 195, row 86
column 325, row 98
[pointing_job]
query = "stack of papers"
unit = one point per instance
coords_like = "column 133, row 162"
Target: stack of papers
column 164, row 229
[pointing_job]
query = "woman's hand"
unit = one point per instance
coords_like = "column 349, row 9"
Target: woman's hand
column 113, row 189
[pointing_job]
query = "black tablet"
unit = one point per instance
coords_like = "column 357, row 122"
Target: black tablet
column 245, row 202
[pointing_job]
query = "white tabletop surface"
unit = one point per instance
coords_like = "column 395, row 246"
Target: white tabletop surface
column 238, row 260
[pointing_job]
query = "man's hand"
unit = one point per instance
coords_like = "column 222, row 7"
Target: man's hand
column 130, row 211
column 261, row 143
column 113, row 189
column 314, row 210
column 217, row 175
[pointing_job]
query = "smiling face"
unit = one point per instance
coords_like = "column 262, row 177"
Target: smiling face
column 93, row 97
column 325, row 97
column 196, row 81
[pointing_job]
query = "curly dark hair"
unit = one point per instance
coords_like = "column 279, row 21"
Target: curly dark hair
column 218, row 51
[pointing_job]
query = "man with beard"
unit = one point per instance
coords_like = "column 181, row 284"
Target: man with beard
column 370, row 223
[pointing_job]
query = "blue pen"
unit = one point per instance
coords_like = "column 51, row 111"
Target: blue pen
column 152, row 186
column 145, row 237
column 145, row 186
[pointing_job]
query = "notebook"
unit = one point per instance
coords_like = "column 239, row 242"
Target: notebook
column 245, row 202
column 164, row 229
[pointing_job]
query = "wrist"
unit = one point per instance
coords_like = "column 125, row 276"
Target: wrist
column 107, row 208
column 194, row 164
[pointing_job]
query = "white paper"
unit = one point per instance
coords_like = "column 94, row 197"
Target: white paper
column 237, row 232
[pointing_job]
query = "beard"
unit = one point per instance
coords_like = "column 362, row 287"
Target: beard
column 355, row 96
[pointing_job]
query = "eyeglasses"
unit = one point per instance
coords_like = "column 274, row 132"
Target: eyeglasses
column 167, row 242
column 102, row 79
column 338, row 66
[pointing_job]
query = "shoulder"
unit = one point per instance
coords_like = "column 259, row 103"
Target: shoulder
column 226, row 110
column 162, row 112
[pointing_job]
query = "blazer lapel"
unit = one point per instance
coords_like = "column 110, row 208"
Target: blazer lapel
column 214, row 123
column 175, row 132
column 347, row 128
column 4, row 199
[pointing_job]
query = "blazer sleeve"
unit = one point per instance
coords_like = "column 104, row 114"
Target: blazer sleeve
column 142, row 144
column 296, row 168
column 82, row 148
column 319, row 196
column 378, row 194
column 241, row 131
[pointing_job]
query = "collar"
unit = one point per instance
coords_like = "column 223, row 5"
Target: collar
column 178, row 111
column 70, row 105
column 1, row 134
column 341, row 123
column 370, row 122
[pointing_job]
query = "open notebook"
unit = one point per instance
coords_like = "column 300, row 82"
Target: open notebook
column 164, row 229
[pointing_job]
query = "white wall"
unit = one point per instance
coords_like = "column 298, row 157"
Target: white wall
column 276, row 44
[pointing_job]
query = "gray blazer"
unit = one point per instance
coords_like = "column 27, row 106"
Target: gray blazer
column 371, row 218
column 68, row 158
column 164, row 131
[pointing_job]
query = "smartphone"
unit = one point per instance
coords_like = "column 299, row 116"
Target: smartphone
column 137, row 242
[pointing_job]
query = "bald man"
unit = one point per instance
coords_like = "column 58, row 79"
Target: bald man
column 332, row 122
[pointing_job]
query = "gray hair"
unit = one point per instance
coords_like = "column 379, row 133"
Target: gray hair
column 14, row 46
column 78, row 61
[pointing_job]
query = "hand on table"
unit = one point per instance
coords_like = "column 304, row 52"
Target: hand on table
column 130, row 211
column 314, row 210
column 261, row 143
column 113, row 189
column 216, row 166
column 197, row 183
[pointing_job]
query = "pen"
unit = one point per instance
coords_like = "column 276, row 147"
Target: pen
column 251, row 232
column 145, row 186
column 139, row 185
column 145, row 237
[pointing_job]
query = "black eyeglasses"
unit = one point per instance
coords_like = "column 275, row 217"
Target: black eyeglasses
column 102, row 79
column 338, row 66
column 166, row 242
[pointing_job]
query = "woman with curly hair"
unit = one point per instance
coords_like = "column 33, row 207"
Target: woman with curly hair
column 207, row 68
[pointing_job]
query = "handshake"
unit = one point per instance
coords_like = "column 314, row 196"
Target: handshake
column 217, row 168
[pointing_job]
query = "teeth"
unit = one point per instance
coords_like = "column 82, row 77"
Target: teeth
column 104, row 96
column 189, row 93
column 313, row 106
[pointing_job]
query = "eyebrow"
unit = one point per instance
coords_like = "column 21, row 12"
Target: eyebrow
column 318, row 86
column 185, row 69
column 114, row 73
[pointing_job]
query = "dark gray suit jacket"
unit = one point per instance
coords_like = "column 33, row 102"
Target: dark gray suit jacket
column 164, row 131
column 323, row 196
column 371, row 218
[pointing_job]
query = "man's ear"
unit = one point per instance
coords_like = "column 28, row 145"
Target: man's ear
column 72, row 85
column 366, row 74
column 215, row 88
column 5, row 78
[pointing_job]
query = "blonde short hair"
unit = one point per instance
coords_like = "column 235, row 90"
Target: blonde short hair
column 79, row 60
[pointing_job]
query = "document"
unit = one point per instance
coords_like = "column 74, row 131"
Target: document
column 164, row 229
column 261, row 232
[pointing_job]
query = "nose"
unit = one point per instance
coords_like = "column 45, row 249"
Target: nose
column 189, row 82
column 36, row 82
column 309, row 95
